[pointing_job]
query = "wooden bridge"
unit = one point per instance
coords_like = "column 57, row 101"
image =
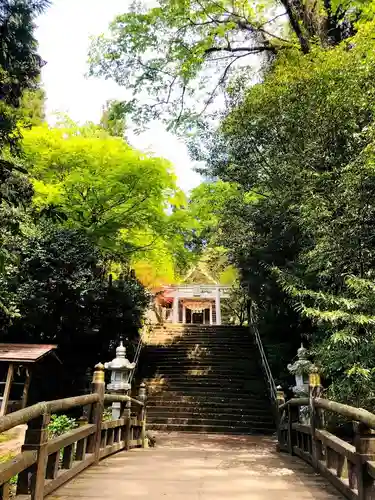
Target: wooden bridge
column 110, row 459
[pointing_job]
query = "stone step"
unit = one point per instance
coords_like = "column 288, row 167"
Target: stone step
column 237, row 422
column 223, row 390
column 178, row 407
column 220, row 429
column 214, row 384
column 194, row 374
column 213, row 347
column 215, row 399
column 206, row 357
column 253, row 404
column 200, row 337
column 205, row 379
column 216, row 361
column 209, row 398
column 167, row 326
column 200, row 377
column 245, row 369
column 215, row 344
column 180, row 366
column 199, row 418
column 201, row 333
column 162, row 413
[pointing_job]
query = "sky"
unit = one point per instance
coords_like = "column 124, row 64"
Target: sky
column 63, row 34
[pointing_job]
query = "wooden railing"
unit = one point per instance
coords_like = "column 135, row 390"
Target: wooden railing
column 348, row 464
column 45, row 464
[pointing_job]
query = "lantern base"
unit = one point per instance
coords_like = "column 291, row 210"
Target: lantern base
column 119, row 386
column 116, row 411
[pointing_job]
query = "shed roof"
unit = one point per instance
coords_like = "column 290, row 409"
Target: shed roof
column 25, row 353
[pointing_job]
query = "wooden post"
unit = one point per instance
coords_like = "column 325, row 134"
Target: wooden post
column 127, row 416
column 8, row 385
column 26, row 388
column 316, row 423
column 36, row 438
column 142, row 396
column 293, row 415
column 96, row 417
column 364, row 442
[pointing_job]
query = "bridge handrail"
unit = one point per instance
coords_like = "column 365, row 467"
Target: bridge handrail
column 120, row 398
column 45, row 464
column 349, row 466
column 355, row 414
column 21, row 417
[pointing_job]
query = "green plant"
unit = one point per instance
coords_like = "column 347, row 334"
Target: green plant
column 107, row 414
column 60, row 424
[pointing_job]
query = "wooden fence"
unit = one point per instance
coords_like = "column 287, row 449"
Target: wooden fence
column 348, row 465
column 45, row 464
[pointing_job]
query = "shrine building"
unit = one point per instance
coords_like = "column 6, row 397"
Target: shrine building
column 198, row 300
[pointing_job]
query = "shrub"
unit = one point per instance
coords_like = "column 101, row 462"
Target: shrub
column 60, row 424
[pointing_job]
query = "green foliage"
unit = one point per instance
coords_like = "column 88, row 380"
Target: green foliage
column 107, row 414
column 116, row 194
column 60, row 424
column 303, row 141
column 181, row 54
column 113, row 120
column 19, row 62
column 234, row 310
column 64, row 297
column 19, row 71
column 345, row 338
column 32, row 107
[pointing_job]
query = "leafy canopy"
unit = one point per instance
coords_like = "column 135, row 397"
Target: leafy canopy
column 176, row 58
column 100, row 184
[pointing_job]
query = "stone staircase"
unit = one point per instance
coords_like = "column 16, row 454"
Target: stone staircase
column 205, row 379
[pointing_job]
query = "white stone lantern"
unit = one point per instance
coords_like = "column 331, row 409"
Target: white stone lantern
column 301, row 369
column 120, row 369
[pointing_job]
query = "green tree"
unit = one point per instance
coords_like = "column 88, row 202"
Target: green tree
column 303, row 140
column 118, row 195
column 113, row 120
column 343, row 343
column 20, row 63
column 33, row 107
column 65, row 298
column 182, row 53
column 19, row 72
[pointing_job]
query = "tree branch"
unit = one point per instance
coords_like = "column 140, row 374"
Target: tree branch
column 250, row 50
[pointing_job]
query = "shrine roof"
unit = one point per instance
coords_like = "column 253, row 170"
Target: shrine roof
column 25, row 353
column 199, row 275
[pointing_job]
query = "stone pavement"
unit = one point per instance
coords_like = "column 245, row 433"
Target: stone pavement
column 186, row 466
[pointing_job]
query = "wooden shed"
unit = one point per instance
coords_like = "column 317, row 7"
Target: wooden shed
column 20, row 358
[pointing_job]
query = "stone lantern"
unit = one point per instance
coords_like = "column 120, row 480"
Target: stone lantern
column 120, row 369
column 305, row 373
column 301, row 370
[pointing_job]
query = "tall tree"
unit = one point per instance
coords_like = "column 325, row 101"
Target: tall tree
column 19, row 72
column 20, row 63
column 303, row 140
column 65, row 298
column 116, row 194
column 181, row 54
